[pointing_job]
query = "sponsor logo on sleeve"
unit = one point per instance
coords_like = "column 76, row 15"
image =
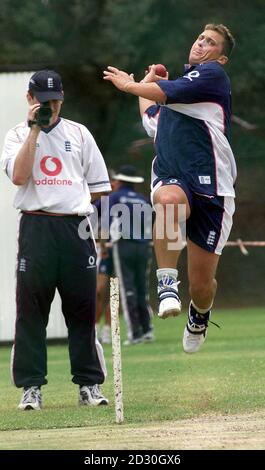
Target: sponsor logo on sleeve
column 191, row 75
column 205, row 179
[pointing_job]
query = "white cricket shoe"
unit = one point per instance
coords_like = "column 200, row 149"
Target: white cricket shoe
column 169, row 301
column 91, row 395
column 31, row 399
column 132, row 341
column 149, row 336
column 195, row 331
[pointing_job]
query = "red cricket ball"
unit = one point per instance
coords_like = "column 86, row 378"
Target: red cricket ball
column 160, row 70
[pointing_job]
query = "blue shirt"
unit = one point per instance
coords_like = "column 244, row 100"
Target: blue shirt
column 192, row 138
column 127, row 214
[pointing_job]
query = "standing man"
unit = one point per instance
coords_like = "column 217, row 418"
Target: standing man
column 194, row 168
column 58, row 169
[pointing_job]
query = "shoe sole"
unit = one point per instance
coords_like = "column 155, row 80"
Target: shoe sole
column 29, row 408
column 169, row 313
column 132, row 343
column 101, row 403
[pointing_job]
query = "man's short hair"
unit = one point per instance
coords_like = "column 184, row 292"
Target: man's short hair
column 229, row 41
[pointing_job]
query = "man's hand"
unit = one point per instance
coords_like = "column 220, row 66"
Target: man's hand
column 125, row 82
column 119, row 78
column 25, row 158
column 150, row 75
column 32, row 113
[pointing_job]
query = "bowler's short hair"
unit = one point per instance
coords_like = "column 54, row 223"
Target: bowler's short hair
column 229, row 41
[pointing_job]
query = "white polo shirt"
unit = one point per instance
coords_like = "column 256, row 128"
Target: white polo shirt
column 68, row 166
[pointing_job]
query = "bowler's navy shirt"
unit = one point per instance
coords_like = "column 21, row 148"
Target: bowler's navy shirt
column 192, row 138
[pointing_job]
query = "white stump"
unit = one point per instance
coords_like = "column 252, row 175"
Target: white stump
column 116, row 348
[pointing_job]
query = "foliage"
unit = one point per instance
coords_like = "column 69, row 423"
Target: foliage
column 80, row 38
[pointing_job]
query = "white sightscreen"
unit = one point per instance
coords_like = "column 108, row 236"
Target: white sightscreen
column 13, row 109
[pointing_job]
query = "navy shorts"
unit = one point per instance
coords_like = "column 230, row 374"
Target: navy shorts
column 211, row 217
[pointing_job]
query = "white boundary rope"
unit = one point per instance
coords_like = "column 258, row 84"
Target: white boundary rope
column 116, row 348
column 242, row 245
column 239, row 243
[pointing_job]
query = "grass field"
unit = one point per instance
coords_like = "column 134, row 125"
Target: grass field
column 162, row 385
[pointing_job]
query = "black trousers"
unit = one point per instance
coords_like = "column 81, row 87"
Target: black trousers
column 132, row 262
column 52, row 255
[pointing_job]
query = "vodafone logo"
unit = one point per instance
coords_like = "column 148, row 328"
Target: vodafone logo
column 51, row 166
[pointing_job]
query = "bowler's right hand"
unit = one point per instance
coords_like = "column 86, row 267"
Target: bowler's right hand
column 151, row 76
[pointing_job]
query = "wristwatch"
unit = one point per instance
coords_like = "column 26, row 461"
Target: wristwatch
column 31, row 123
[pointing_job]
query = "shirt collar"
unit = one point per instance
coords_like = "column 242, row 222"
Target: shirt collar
column 188, row 67
column 50, row 128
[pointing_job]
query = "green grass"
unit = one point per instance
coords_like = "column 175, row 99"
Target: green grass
column 160, row 381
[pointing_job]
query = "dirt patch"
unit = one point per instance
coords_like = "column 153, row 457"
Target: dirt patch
column 209, row 432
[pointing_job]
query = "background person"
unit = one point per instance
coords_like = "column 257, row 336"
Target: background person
column 105, row 271
column 132, row 252
column 58, row 168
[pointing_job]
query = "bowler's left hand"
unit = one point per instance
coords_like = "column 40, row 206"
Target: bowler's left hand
column 119, row 78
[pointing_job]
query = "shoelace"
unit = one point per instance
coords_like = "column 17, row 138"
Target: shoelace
column 167, row 281
column 31, row 393
column 95, row 391
column 193, row 324
column 215, row 324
